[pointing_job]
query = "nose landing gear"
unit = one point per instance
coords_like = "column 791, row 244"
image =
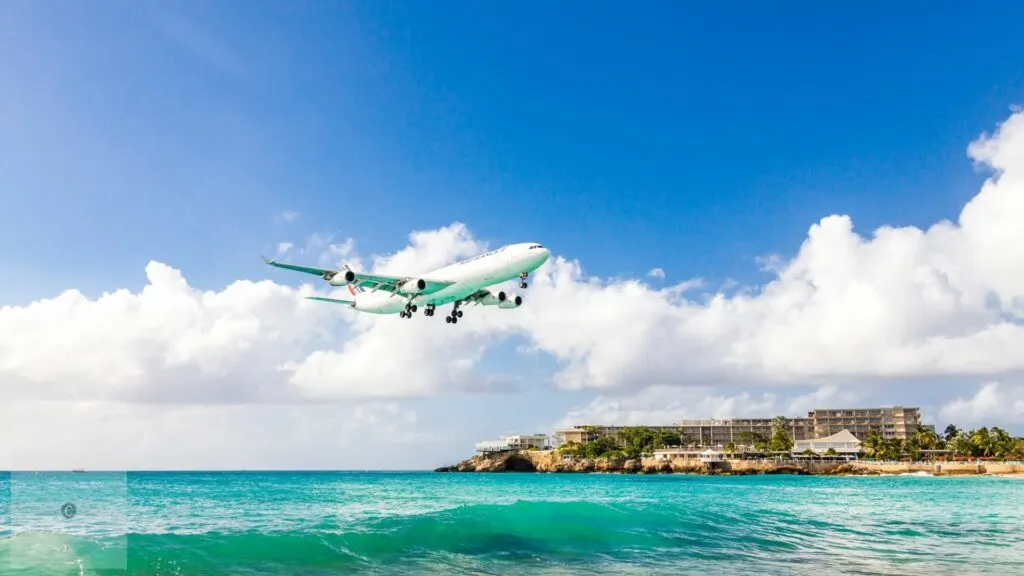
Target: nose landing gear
column 522, row 280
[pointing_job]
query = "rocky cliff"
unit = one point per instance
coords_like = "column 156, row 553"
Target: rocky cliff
column 552, row 461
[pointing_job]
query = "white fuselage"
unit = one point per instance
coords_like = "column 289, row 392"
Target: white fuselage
column 501, row 265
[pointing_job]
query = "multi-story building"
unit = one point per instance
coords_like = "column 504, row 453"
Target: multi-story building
column 893, row 422
column 586, row 433
column 737, row 430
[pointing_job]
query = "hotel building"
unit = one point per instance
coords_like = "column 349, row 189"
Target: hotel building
column 891, row 422
column 514, row 442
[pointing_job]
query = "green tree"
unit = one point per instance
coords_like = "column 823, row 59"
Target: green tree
column 781, row 440
column 873, row 444
column 961, row 445
column 926, row 439
column 753, row 439
column 666, row 438
column 951, row 432
column 831, row 452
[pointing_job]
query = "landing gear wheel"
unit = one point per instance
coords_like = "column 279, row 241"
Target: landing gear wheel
column 459, row 313
column 413, row 309
column 523, row 285
column 448, row 319
column 401, row 314
column 455, row 320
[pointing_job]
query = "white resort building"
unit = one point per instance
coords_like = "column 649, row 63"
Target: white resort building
column 843, row 442
column 514, row 442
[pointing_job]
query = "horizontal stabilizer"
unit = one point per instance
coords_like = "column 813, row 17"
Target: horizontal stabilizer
column 331, row 300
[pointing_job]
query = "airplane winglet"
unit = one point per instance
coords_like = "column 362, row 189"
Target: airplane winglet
column 266, row 260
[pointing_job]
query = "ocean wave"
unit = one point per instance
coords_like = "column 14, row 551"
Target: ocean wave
column 537, row 524
column 531, row 536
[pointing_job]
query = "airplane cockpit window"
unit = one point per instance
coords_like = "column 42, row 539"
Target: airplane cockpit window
column 534, row 247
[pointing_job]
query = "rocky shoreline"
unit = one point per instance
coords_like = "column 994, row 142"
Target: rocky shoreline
column 549, row 461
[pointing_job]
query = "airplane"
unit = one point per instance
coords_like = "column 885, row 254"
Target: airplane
column 461, row 283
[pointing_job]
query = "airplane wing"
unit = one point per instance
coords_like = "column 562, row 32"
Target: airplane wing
column 331, row 300
column 476, row 297
column 368, row 281
column 304, row 269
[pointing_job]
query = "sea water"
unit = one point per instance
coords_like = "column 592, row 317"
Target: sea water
column 318, row 523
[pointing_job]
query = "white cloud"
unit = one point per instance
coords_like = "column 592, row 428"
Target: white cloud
column 666, row 405
column 994, row 404
column 283, row 248
column 290, row 215
column 120, row 436
column 657, row 273
column 825, row 397
column 903, row 302
column 900, row 302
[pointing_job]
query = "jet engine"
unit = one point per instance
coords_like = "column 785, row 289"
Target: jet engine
column 492, row 299
column 412, row 286
column 339, row 278
column 511, row 302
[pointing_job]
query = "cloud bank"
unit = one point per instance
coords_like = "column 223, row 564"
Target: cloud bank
column 902, row 302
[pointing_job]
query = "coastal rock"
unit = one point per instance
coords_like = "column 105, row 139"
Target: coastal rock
column 553, row 461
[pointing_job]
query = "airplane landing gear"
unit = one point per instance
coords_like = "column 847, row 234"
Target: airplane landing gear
column 428, row 310
column 410, row 309
column 522, row 280
column 453, row 318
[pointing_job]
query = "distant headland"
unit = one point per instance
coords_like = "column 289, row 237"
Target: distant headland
column 887, row 440
column 552, row 461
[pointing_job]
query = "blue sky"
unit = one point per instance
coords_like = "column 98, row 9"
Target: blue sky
column 688, row 136
column 694, row 137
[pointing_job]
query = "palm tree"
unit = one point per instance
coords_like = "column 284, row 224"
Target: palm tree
column 1002, row 443
column 961, row 445
column 927, row 439
column 873, row 444
column 951, row 432
column 781, row 441
column 983, row 441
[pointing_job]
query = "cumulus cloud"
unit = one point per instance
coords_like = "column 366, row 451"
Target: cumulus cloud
column 290, row 215
column 900, row 302
column 657, row 273
column 283, row 248
column 995, row 403
column 666, row 405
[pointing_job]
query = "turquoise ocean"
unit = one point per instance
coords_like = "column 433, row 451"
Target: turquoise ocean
column 318, row 523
